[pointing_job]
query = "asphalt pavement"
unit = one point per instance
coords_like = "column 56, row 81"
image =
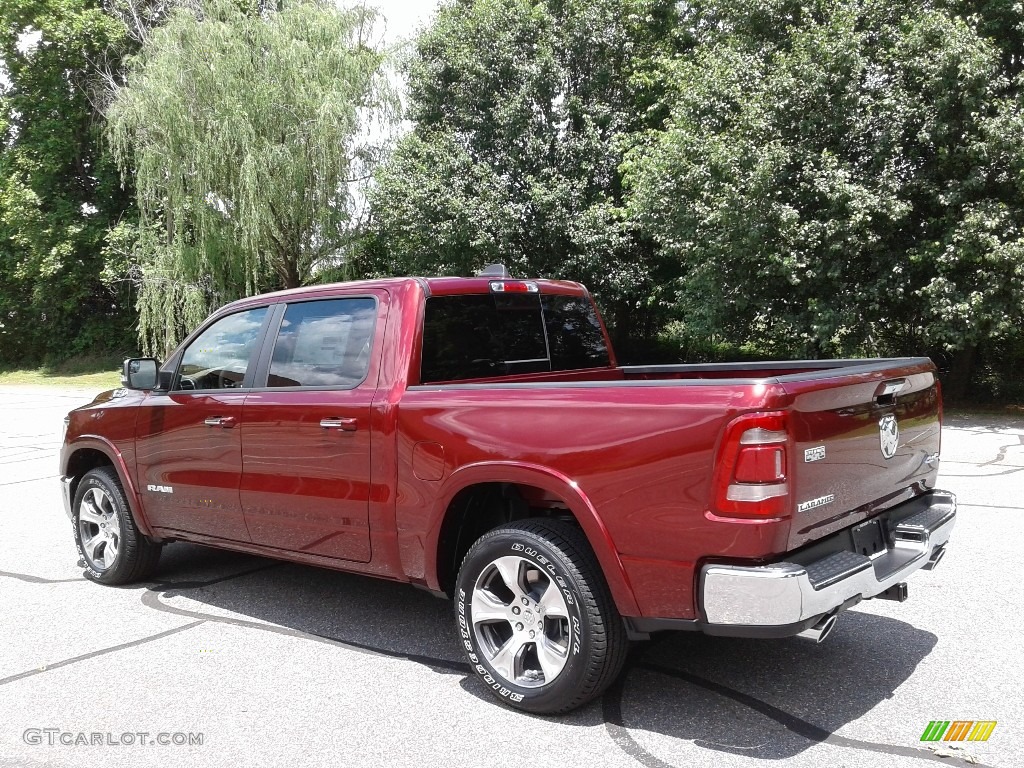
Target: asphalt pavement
column 225, row 659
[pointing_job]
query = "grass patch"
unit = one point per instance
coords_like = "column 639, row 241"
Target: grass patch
column 86, row 372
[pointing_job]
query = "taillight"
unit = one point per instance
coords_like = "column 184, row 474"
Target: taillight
column 750, row 475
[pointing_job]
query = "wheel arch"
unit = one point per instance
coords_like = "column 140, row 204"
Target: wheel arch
column 517, row 484
column 92, row 452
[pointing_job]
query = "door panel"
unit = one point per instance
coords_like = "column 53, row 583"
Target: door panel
column 306, row 436
column 306, row 488
column 190, row 471
column 189, row 446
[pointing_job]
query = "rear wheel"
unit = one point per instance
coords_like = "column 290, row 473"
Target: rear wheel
column 536, row 619
column 111, row 546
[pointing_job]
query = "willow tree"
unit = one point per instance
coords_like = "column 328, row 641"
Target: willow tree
column 249, row 131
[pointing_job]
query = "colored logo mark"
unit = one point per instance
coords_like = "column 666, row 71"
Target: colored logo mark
column 958, row 730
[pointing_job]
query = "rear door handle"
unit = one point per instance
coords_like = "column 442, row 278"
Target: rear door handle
column 227, row 422
column 345, row 425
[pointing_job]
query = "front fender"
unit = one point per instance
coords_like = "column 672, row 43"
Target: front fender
column 108, row 449
column 554, row 483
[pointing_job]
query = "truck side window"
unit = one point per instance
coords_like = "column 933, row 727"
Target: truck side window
column 575, row 337
column 484, row 335
column 219, row 357
column 324, row 344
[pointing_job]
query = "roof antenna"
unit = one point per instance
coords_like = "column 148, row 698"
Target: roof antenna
column 494, row 270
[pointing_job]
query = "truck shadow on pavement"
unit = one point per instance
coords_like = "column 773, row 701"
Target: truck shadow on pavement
column 767, row 700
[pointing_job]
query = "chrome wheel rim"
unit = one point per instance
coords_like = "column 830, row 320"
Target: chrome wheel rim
column 521, row 622
column 99, row 528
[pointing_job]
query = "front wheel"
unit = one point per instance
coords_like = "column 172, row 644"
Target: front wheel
column 536, row 618
column 109, row 543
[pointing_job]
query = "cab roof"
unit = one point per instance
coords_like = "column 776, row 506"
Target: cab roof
column 432, row 286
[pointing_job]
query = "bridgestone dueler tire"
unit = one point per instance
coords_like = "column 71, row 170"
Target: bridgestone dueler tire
column 597, row 642
column 137, row 556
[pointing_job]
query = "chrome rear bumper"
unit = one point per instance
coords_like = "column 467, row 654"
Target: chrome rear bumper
column 737, row 599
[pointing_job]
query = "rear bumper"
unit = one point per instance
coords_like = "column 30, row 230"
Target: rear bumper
column 784, row 598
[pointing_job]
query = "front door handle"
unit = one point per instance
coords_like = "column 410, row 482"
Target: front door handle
column 226, row 422
column 345, row 425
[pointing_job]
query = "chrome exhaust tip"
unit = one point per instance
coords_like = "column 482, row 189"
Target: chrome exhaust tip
column 933, row 561
column 821, row 630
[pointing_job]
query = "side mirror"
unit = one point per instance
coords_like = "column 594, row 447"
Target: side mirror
column 140, row 373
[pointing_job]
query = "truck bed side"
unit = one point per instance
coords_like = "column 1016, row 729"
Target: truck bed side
column 637, row 456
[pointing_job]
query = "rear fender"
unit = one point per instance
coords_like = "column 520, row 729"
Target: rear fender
column 554, row 483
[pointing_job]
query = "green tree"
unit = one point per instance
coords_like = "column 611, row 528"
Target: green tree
column 519, row 109
column 59, row 192
column 840, row 177
column 249, row 132
column 1002, row 22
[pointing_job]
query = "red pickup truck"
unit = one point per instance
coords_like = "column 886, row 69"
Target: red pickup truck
column 475, row 437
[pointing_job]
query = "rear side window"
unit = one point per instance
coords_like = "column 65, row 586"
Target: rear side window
column 324, row 344
column 574, row 333
column 477, row 336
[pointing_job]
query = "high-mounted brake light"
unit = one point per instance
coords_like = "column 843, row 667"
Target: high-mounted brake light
column 751, row 472
column 513, row 286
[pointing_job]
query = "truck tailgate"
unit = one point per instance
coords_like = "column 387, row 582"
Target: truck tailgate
column 862, row 442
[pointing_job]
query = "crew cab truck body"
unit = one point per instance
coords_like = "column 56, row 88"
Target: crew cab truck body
column 475, row 437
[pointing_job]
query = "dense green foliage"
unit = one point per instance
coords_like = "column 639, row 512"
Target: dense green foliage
column 518, row 108
column 245, row 134
column 779, row 178
column 852, row 185
column 731, row 178
column 59, row 192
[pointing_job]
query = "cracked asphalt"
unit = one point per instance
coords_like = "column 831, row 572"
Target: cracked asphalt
column 271, row 664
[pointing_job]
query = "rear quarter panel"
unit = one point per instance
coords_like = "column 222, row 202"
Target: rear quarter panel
column 637, row 457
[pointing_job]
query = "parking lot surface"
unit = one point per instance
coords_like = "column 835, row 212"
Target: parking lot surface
column 226, row 659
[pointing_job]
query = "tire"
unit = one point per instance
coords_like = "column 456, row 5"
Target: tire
column 110, row 545
column 536, row 619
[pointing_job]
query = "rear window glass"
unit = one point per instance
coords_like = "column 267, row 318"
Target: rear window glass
column 323, row 344
column 478, row 336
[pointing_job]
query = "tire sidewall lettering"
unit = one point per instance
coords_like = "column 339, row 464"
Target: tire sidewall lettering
column 86, row 484
column 564, row 581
